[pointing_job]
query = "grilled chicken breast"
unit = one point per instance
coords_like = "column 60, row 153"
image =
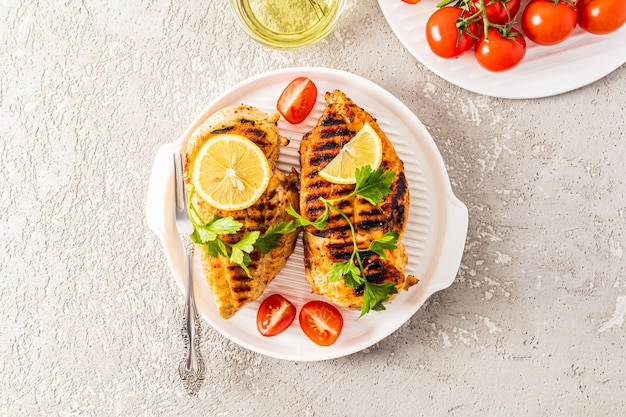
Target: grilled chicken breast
column 339, row 122
column 230, row 285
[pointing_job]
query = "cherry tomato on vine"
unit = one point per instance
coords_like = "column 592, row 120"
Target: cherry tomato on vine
column 321, row 322
column 297, row 100
column 275, row 315
column 601, row 16
column 498, row 11
column 498, row 52
column 442, row 32
column 548, row 22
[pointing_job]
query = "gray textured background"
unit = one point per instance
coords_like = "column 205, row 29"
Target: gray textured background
column 532, row 326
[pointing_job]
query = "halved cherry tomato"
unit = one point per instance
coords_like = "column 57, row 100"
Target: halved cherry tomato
column 321, row 322
column 297, row 100
column 547, row 22
column 498, row 11
column 500, row 53
column 601, row 16
column 275, row 314
column 444, row 38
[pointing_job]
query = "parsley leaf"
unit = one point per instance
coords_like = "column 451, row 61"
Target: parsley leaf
column 375, row 185
column 348, row 270
column 375, row 295
column 320, row 223
column 389, row 241
column 216, row 225
column 353, row 278
column 236, row 255
column 247, row 241
column 214, row 247
column 272, row 235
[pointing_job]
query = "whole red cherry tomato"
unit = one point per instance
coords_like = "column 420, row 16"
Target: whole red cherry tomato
column 601, row 16
column 548, row 22
column 411, row 1
column 496, row 52
column 444, row 36
column 498, row 11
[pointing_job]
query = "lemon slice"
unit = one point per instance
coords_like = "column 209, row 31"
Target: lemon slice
column 365, row 148
column 230, row 172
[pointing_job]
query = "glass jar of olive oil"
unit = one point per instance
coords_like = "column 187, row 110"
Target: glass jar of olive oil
column 287, row 24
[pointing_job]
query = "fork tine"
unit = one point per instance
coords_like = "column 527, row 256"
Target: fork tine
column 183, row 189
column 179, row 187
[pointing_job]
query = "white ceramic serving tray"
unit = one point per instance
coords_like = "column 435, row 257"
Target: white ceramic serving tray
column 435, row 235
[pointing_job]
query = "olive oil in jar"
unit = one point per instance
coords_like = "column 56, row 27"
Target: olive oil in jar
column 287, row 24
column 288, row 16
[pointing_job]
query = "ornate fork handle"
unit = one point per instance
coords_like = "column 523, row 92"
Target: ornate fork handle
column 192, row 369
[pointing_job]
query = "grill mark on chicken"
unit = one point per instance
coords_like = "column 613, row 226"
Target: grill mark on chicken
column 373, row 218
column 331, row 121
column 222, row 130
column 358, row 291
column 373, row 212
column 239, row 280
column 369, row 224
column 314, row 212
column 400, row 189
column 336, row 218
column 257, row 133
column 375, row 277
column 317, row 185
column 240, row 289
column 398, row 196
column 313, row 198
column 333, row 231
column 257, row 138
column 335, row 131
column 314, row 207
column 340, row 252
column 379, row 271
column 326, row 146
column 322, row 159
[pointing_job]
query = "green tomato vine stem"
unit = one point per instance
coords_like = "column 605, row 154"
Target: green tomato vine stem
column 464, row 22
column 355, row 252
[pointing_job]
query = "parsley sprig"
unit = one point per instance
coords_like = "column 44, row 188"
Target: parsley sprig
column 207, row 233
column 373, row 186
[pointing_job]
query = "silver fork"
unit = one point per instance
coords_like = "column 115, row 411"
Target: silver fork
column 192, row 369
